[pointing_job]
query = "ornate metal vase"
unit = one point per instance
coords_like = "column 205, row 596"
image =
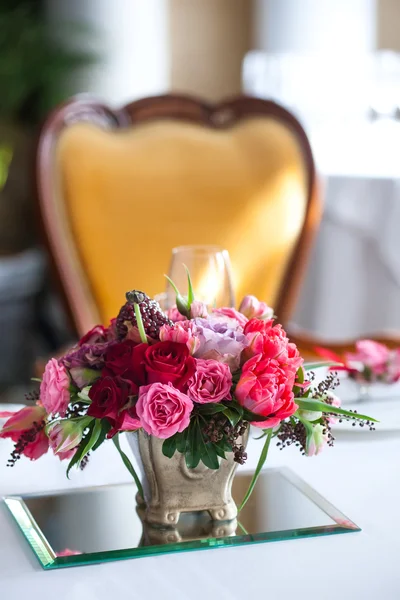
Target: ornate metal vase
column 170, row 488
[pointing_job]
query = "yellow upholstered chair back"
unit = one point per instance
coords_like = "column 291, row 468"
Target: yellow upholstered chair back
column 119, row 189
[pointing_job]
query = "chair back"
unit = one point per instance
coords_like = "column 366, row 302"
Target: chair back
column 118, row 189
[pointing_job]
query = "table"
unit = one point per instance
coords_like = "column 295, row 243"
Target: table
column 352, row 285
column 360, row 476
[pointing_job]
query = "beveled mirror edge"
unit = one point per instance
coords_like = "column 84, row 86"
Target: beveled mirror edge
column 31, row 530
column 334, row 513
column 48, row 559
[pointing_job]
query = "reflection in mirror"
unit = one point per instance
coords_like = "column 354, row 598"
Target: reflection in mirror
column 104, row 523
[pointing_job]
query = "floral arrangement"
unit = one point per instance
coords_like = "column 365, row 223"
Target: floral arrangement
column 194, row 377
column 372, row 362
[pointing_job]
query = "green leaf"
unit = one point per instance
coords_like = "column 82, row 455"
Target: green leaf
column 233, row 416
column 210, row 408
column 128, row 464
column 250, row 416
column 192, row 454
column 233, row 404
column 105, row 428
column 260, row 464
column 86, row 444
column 318, row 365
column 224, row 445
column 300, row 375
column 181, row 303
column 139, row 322
column 318, row 406
column 190, row 297
column 169, row 447
column 219, row 451
column 181, row 440
column 208, row 453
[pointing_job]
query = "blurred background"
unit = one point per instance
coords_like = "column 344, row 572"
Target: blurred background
column 335, row 64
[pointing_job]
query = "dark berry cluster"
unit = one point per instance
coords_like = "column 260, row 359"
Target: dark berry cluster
column 219, row 428
column 26, row 438
column 84, row 462
column 292, row 433
column 32, row 397
column 356, row 421
column 330, row 383
column 152, row 316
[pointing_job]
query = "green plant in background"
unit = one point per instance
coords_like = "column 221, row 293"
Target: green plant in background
column 34, row 61
column 6, row 154
column 37, row 59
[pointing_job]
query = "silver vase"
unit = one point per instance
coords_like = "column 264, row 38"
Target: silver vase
column 170, row 488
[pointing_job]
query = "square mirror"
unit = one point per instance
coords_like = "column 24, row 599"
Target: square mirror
column 85, row 526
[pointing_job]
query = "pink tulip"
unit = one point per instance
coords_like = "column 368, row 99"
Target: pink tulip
column 22, row 421
column 198, row 309
column 252, row 308
column 65, row 436
column 316, row 440
column 231, row 313
column 183, row 332
column 28, row 422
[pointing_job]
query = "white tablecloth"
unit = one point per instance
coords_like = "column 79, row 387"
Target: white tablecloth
column 352, row 286
column 360, row 476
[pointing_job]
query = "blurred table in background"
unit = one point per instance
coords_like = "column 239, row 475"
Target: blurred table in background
column 352, row 285
column 349, row 106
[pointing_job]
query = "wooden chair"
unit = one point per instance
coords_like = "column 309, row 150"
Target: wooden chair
column 118, row 188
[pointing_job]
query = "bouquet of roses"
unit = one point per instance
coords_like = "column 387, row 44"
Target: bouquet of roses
column 194, row 377
column 372, row 362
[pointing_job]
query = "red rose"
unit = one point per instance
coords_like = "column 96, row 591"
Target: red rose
column 169, row 362
column 126, row 360
column 97, row 335
column 109, row 395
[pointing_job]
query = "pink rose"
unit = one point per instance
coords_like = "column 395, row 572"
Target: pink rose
column 371, row 354
column 54, row 393
column 231, row 313
column 198, row 309
column 163, row 410
column 252, row 308
column 211, row 382
column 265, row 388
column 183, row 332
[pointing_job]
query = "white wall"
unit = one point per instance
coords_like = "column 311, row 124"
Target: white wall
column 131, row 39
column 332, row 26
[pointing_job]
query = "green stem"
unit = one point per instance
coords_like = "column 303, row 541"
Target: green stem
column 128, row 464
column 139, row 322
column 261, row 461
column 243, row 528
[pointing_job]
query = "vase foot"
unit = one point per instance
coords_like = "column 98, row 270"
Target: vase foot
column 227, row 512
column 170, row 517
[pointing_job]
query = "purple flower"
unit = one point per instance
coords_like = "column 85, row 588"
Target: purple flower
column 85, row 362
column 222, row 339
column 90, row 356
